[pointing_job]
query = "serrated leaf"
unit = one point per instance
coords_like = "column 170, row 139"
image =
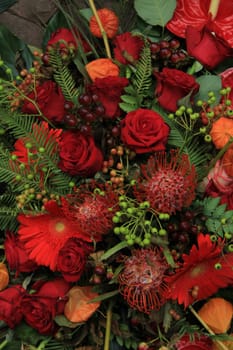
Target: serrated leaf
column 126, row 107
column 228, row 228
column 155, row 12
column 214, row 226
column 129, row 99
column 130, row 90
column 219, row 210
column 209, row 205
column 228, row 215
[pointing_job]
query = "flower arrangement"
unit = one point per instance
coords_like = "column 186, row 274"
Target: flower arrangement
column 116, row 203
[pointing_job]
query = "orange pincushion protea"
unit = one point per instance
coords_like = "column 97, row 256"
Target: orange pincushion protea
column 109, row 21
column 142, row 280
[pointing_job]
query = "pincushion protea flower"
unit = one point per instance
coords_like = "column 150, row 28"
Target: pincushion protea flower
column 169, row 185
column 203, row 271
column 142, row 279
column 93, row 211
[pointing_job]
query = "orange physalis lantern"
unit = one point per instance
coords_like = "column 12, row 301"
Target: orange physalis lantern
column 4, row 276
column 102, row 68
column 79, row 308
column 221, row 132
column 227, row 162
column 217, row 314
column 109, row 21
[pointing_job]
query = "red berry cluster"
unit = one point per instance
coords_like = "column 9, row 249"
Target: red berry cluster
column 168, row 53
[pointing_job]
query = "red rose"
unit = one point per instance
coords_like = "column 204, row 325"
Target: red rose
column 79, row 155
column 109, row 90
column 144, row 131
column 40, row 308
column 199, row 343
column 172, row 85
column 206, row 47
column 10, row 305
column 16, row 255
column 127, row 47
column 49, row 99
column 72, row 259
column 66, row 38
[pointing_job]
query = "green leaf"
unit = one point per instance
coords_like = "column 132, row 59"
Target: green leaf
column 209, row 83
column 155, row 12
column 210, row 205
column 5, row 4
column 104, row 296
column 220, row 210
column 129, row 99
column 57, row 21
column 126, row 107
column 14, row 49
column 114, row 250
column 62, row 321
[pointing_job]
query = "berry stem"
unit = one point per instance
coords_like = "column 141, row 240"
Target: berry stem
column 104, row 35
column 221, row 345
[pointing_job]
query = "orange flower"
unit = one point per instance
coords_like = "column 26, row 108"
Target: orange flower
column 4, row 276
column 101, row 68
column 79, row 308
column 221, row 132
column 217, row 314
column 109, row 21
column 227, row 162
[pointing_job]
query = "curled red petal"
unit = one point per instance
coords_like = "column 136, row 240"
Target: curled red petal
column 188, row 13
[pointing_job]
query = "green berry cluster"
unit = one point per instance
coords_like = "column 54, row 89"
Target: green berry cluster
column 136, row 223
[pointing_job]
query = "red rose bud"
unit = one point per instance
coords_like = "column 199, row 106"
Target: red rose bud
column 173, row 85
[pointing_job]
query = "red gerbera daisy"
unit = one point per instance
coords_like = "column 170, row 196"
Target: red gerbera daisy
column 142, row 280
column 44, row 235
column 169, row 185
column 202, row 272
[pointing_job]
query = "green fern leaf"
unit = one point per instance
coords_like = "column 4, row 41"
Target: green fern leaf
column 63, row 76
column 142, row 80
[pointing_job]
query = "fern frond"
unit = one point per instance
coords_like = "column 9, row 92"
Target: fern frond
column 8, row 218
column 63, row 76
column 178, row 139
column 19, row 125
column 142, row 80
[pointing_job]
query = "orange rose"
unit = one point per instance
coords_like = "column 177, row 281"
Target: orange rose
column 102, row 68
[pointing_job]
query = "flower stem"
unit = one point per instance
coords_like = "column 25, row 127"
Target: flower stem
column 3, row 344
column 108, row 328
column 213, row 8
column 221, row 345
column 104, row 35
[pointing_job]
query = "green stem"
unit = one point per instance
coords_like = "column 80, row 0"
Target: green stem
column 221, row 345
column 108, row 328
column 3, row 344
column 219, row 155
column 104, row 35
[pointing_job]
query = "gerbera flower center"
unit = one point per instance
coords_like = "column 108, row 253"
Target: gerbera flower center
column 59, row 226
column 197, row 270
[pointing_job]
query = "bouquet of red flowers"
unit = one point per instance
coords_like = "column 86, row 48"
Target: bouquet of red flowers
column 116, row 172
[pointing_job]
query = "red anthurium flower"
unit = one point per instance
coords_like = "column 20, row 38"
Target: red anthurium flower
column 196, row 13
